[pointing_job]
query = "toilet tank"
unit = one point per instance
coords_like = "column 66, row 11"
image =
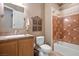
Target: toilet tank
column 40, row 40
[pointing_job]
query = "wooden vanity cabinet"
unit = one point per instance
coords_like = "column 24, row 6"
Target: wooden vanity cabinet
column 17, row 47
column 8, row 48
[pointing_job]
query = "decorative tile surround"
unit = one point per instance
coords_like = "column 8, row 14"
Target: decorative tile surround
column 67, row 30
column 72, row 29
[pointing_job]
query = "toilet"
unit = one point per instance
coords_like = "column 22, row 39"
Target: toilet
column 44, row 48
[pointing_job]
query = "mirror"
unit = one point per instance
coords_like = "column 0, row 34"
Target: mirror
column 13, row 16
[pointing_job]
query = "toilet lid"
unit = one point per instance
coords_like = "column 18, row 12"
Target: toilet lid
column 46, row 48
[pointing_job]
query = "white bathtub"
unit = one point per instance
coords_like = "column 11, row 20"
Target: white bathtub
column 66, row 49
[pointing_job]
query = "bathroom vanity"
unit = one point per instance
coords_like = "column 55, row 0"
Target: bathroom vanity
column 17, row 45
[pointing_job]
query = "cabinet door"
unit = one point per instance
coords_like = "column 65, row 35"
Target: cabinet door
column 8, row 48
column 26, row 47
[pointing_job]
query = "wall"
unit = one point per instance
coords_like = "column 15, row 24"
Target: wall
column 73, row 9
column 45, row 12
column 49, row 9
column 31, row 10
column 48, row 23
column 71, row 29
column 57, row 28
column 70, row 24
column 69, row 17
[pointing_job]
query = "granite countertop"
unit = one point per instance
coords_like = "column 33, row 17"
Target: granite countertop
column 9, row 37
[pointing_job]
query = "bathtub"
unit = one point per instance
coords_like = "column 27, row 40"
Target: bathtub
column 66, row 49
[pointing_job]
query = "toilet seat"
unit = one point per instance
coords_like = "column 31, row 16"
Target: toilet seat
column 46, row 48
column 43, row 49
